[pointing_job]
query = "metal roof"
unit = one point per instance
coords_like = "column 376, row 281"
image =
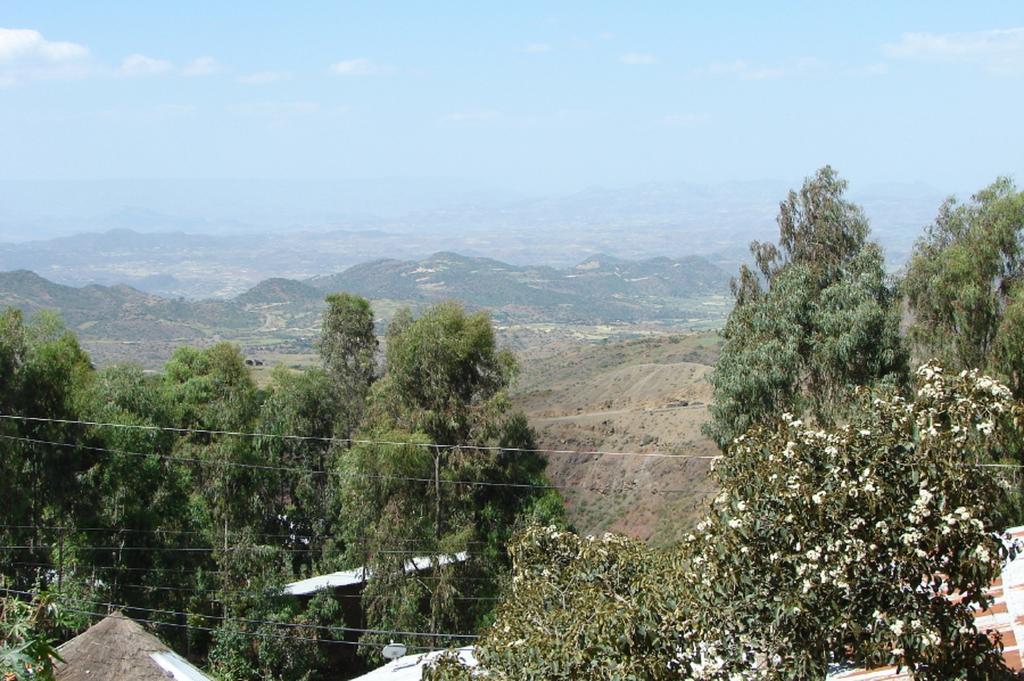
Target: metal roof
column 360, row 575
column 178, row 667
column 410, row 667
column 1005, row 616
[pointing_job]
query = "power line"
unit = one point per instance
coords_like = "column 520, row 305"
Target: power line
column 242, row 592
column 196, row 549
column 71, row 566
column 245, row 620
column 194, row 627
column 350, row 441
column 343, row 474
column 359, row 541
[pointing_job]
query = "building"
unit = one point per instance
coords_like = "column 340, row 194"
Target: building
column 357, row 577
column 410, row 667
column 117, row 647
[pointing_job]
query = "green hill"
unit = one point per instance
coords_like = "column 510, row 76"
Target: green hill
column 121, row 312
column 278, row 291
column 120, row 322
column 599, row 290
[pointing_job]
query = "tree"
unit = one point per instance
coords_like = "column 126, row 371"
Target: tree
column 348, row 347
column 301, row 402
column 825, row 545
column 965, row 284
column 817, row 319
column 43, row 373
column 579, row 608
column 443, row 393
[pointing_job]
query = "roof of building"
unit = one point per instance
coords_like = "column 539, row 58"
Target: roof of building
column 410, row 667
column 117, row 647
column 360, row 575
column 1005, row 616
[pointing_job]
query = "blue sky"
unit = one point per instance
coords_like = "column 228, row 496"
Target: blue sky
column 532, row 96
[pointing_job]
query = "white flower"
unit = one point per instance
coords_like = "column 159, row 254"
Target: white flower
column 896, row 627
column 818, row 497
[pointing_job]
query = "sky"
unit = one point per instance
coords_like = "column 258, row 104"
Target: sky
column 526, row 96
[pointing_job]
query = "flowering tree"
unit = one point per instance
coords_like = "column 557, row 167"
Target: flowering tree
column 825, row 546
column 843, row 545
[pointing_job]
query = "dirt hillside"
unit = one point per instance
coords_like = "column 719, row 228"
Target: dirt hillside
column 646, row 395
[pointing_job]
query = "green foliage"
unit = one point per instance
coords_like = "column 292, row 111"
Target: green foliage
column 594, row 608
column 964, row 284
column 211, row 388
column 347, row 348
column 826, row 545
column 841, row 545
column 26, row 645
column 817, row 320
column 445, row 376
column 303, row 402
column 444, row 390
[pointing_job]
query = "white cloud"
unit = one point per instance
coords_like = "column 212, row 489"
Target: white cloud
column 360, row 66
column 203, row 66
column 745, row 70
column 27, row 45
column 136, row 65
column 537, row 48
column 265, row 77
column 638, row 59
column 479, row 116
column 26, row 55
column 998, row 51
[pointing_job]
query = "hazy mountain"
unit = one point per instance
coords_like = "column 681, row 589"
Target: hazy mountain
column 217, row 240
column 600, row 290
column 122, row 312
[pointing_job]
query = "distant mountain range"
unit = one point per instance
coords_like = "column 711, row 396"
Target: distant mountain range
column 218, row 240
column 600, row 290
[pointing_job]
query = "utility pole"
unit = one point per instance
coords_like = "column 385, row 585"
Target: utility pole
column 437, row 493
column 224, row 604
column 60, row 558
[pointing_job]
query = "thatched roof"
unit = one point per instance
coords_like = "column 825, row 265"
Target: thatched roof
column 118, row 647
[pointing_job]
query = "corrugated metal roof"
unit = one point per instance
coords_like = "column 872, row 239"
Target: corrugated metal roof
column 1005, row 616
column 178, row 667
column 410, row 667
column 360, row 575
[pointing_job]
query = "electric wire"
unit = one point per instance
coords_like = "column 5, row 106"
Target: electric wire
column 343, row 474
column 245, row 620
column 194, row 627
column 349, row 441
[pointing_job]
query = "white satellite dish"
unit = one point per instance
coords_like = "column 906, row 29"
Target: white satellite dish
column 393, row 651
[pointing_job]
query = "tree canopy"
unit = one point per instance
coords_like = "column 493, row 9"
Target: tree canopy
column 818, row 318
column 965, row 284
